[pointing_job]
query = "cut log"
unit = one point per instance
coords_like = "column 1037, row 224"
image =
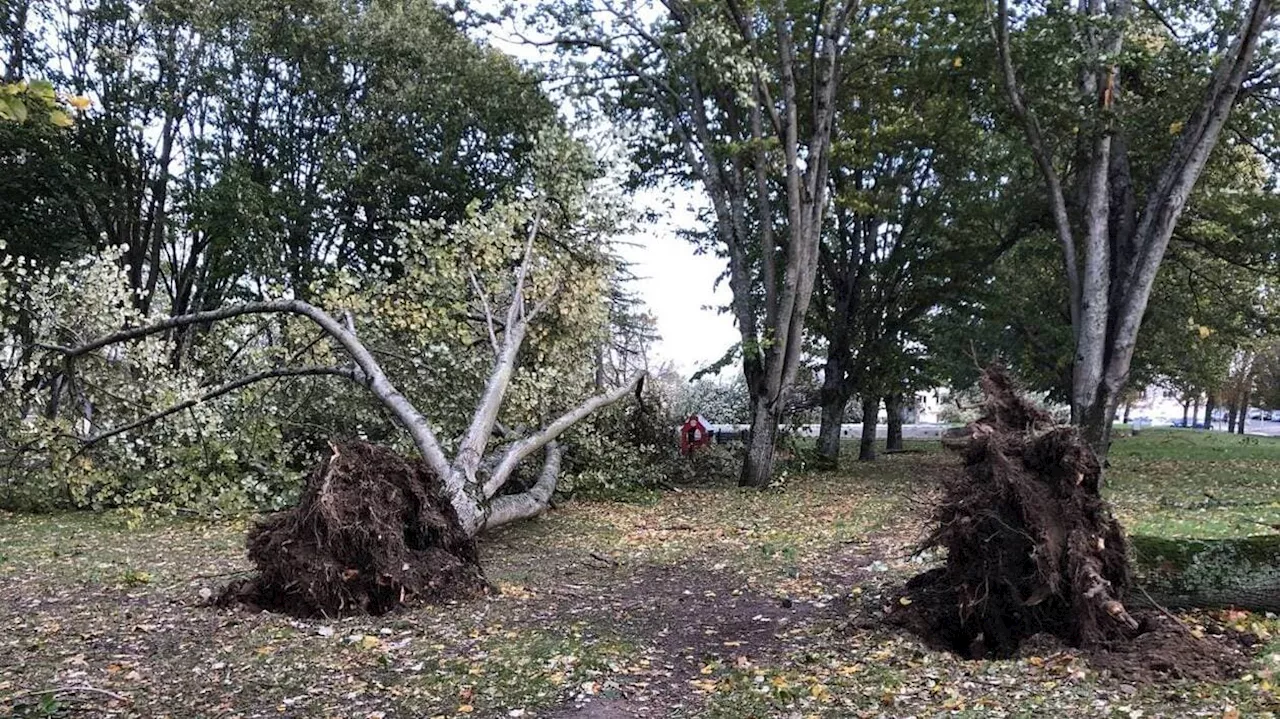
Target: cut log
column 1209, row 573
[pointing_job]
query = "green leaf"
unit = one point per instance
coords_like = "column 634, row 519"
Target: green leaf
column 60, row 118
column 16, row 109
column 43, row 89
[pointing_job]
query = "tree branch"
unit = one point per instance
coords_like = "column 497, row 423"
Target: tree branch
column 528, row 504
column 517, row 452
column 1042, row 155
column 227, row 388
column 373, row 377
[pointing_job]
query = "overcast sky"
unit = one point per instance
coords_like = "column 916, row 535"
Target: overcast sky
column 679, row 287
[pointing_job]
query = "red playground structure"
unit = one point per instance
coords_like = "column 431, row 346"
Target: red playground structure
column 694, row 434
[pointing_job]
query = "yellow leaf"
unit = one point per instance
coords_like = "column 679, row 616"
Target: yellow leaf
column 369, row 642
column 1175, row 127
column 904, row 601
column 60, row 119
column 79, row 102
column 466, row 709
column 957, row 63
column 1205, row 332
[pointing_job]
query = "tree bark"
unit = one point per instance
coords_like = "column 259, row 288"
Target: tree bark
column 1210, row 404
column 1110, row 299
column 867, row 446
column 1186, row 410
column 1231, row 418
column 829, row 432
column 477, row 505
column 893, row 409
column 1209, row 573
column 757, row 466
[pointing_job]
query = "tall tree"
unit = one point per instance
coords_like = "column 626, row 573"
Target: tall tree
column 1115, row 211
column 919, row 204
column 739, row 99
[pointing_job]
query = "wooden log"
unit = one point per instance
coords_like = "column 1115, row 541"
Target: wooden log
column 1208, row 573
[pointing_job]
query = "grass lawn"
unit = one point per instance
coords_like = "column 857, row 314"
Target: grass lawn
column 713, row 602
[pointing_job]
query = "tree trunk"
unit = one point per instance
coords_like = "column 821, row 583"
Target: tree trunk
column 893, row 408
column 867, row 447
column 1209, row 406
column 1209, row 573
column 757, row 466
column 1128, row 406
column 1095, row 423
column 1244, row 410
column 1186, row 410
column 1195, row 409
column 1231, row 418
column 829, row 436
column 1120, row 263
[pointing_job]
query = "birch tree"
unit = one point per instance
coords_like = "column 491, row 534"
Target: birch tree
column 472, row 347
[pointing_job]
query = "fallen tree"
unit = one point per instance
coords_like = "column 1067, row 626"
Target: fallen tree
column 473, row 480
column 1031, row 546
column 1239, row 572
column 372, row 529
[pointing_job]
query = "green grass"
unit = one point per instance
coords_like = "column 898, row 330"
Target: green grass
column 114, row 602
column 1194, row 445
column 1189, row 483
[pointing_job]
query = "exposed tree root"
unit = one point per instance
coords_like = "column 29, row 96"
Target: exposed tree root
column 373, row 531
column 1031, row 546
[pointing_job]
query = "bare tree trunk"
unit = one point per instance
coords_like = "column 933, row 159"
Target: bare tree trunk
column 1231, row 417
column 1195, row 409
column 1186, row 410
column 1209, row 406
column 1120, row 263
column 757, row 466
column 867, row 446
column 1244, row 411
column 893, row 408
column 829, row 432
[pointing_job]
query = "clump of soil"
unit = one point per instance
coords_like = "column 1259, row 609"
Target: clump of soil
column 1033, row 549
column 373, row 531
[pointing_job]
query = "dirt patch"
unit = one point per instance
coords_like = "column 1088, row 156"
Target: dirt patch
column 1032, row 548
column 372, row 532
column 1167, row 650
column 683, row 619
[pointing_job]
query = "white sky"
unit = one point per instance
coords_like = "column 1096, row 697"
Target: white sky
column 679, row 288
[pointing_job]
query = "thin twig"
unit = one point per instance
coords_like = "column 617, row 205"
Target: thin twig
column 85, row 688
column 1166, row 612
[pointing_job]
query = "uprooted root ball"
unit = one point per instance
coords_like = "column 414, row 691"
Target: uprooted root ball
column 1031, row 546
column 372, row 531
